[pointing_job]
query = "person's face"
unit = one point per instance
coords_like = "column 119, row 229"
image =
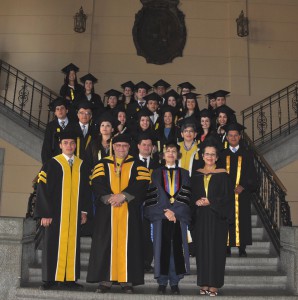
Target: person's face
column 222, row 119
column 106, row 128
column 205, row 122
column 144, row 123
column 84, row 115
column 172, row 101
column 168, row 118
column 209, row 156
column 145, row 148
column 233, row 138
column 121, row 149
column 160, row 90
column 190, row 104
column 212, row 103
column 122, row 117
column 141, row 93
column 170, row 155
column 152, row 105
column 188, row 134
column 112, row 101
column 68, row 147
column 61, row 112
column 127, row 91
column 72, row 75
column 88, row 85
column 220, row 101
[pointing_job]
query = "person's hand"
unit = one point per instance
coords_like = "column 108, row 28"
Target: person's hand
column 46, row 222
column 83, row 218
column 202, row 202
column 239, row 189
column 117, row 200
column 170, row 215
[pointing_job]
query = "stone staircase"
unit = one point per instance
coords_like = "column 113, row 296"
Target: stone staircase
column 256, row 277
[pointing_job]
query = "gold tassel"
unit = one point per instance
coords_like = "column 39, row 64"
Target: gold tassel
column 111, row 147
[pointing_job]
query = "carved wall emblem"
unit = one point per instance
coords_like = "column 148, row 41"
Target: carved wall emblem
column 159, row 31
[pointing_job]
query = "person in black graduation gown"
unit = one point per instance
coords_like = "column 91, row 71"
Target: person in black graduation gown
column 128, row 93
column 89, row 95
column 62, row 205
column 160, row 88
column 71, row 90
column 150, row 161
column 239, row 163
column 212, row 201
column 113, row 103
column 152, row 104
column 120, row 115
column 172, row 99
column 184, row 88
column 50, row 146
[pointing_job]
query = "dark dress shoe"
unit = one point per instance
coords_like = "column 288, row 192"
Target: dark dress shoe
column 72, row 285
column 48, row 285
column 228, row 252
column 102, row 289
column 148, row 269
column 161, row 289
column 128, row 289
column 175, row 290
column 242, row 253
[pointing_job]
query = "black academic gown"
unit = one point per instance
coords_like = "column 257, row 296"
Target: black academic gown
column 62, row 193
column 240, row 232
column 117, row 248
column 50, row 146
column 161, row 137
column 211, row 227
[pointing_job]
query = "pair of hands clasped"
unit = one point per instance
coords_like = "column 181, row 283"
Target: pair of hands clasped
column 202, row 202
column 46, row 222
column 170, row 215
column 116, row 200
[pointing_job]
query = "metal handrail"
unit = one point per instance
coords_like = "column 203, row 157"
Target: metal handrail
column 272, row 117
column 24, row 96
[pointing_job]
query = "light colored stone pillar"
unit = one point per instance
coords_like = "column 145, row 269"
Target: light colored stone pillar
column 289, row 256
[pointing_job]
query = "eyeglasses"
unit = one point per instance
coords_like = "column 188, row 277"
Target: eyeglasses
column 188, row 131
column 210, row 154
column 87, row 113
column 121, row 145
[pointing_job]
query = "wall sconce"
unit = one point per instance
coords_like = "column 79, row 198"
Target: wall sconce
column 242, row 25
column 80, row 21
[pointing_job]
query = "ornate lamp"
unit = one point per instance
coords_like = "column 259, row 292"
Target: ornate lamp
column 80, row 21
column 242, row 25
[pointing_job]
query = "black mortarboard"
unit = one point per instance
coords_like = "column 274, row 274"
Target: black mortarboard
column 192, row 121
column 210, row 96
column 146, row 136
column 108, row 118
column 144, row 113
column 57, row 102
column 191, row 95
column 113, row 92
column 212, row 141
column 142, row 85
column 70, row 67
column 121, row 138
column 234, row 126
column 186, row 85
column 129, row 84
column 173, row 144
column 153, row 96
column 168, row 108
column 171, row 93
column 206, row 113
column 221, row 93
column 161, row 82
column 224, row 109
column 84, row 104
column 67, row 135
column 90, row 77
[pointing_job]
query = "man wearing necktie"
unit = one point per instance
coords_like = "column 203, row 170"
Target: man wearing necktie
column 239, row 163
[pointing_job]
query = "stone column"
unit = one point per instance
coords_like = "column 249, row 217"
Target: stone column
column 289, row 256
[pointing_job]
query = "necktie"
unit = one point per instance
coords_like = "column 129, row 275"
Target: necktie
column 84, row 130
column 70, row 162
column 145, row 162
column 63, row 124
column 234, row 150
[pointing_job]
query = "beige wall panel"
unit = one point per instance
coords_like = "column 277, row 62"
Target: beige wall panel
column 113, row 45
column 116, row 7
column 116, row 25
column 207, row 28
column 14, row 204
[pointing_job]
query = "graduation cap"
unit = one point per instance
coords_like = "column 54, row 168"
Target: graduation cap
column 212, row 141
column 171, row 93
column 90, row 77
column 221, row 93
column 153, row 96
column 70, row 67
column 142, row 85
column 168, row 108
column 224, row 109
column 113, row 92
column 84, row 104
column 57, row 102
column 188, row 122
column 121, row 138
column 108, row 118
column 171, row 144
column 191, row 95
column 144, row 113
column 67, row 135
column 234, row 126
column 206, row 113
column 146, row 136
column 129, row 84
column 161, row 82
column 186, row 85
column 210, row 96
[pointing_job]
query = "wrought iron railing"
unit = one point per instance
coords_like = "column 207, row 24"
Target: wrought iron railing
column 272, row 117
column 25, row 96
column 270, row 197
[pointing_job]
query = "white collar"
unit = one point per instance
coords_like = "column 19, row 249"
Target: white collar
column 231, row 148
column 68, row 158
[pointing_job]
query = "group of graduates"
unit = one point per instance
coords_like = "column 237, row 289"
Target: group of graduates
column 147, row 175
